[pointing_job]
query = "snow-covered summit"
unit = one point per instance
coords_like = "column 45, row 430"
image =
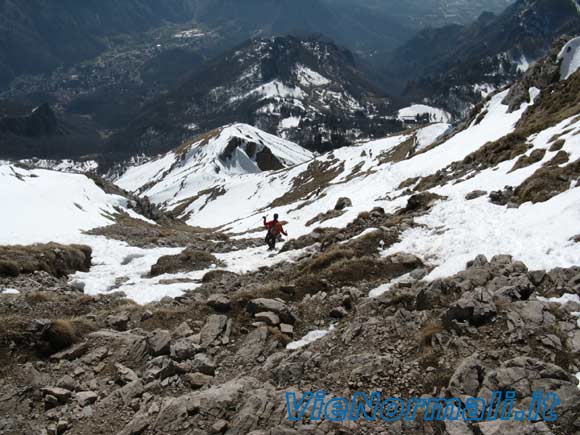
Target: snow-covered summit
column 209, row 160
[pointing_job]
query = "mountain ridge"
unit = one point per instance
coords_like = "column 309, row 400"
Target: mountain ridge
column 308, row 90
column 443, row 65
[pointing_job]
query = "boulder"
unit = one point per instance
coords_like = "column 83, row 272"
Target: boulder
column 220, row 426
column 67, row 382
column 342, row 203
column 338, row 312
column 500, row 427
column 184, row 349
column 125, row 375
column 268, row 317
column 183, row 330
column 432, row 295
column 204, row 364
column 219, row 302
column 213, row 328
column 524, row 375
column 61, row 394
column 174, row 412
column 253, row 344
column 422, row 201
column 479, row 261
column 95, row 356
column 466, row 378
column 130, row 391
column 198, row 380
column 475, row 194
column 137, row 425
column 474, row 276
column 72, row 353
column 85, row 398
column 513, row 293
column 529, row 315
column 159, row 342
column 287, row 329
column 273, row 305
column 119, row 322
column 476, row 307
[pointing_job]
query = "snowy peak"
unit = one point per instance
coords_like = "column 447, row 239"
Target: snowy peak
column 200, row 166
column 241, row 148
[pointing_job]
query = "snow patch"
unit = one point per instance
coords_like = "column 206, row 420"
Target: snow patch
column 534, row 93
column 523, row 64
column 308, row 77
column 43, row 206
column 272, row 90
column 562, row 300
column 435, row 115
column 570, row 57
column 577, row 314
column 188, row 34
column 383, row 288
column 9, row 291
column 484, row 89
column 428, row 135
column 291, row 122
column 309, row 338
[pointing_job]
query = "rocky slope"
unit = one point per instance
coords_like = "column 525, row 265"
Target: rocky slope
column 221, row 358
column 307, row 90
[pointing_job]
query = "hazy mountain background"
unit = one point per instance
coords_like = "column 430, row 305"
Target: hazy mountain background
column 430, row 13
column 39, row 35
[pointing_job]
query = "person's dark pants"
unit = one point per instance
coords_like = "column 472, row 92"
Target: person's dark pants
column 271, row 241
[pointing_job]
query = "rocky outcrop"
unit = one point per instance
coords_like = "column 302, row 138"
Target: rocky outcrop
column 188, row 260
column 55, row 259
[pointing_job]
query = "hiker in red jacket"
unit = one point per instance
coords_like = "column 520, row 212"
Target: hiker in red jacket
column 274, row 228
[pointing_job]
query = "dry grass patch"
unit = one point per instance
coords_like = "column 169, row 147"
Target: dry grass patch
column 53, row 258
column 326, row 216
column 534, row 157
column 425, row 335
column 13, row 328
column 40, row 297
column 278, row 336
column 327, row 258
column 546, row 183
column 186, row 261
column 63, row 333
column 317, row 175
column 557, row 145
column 370, row 243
